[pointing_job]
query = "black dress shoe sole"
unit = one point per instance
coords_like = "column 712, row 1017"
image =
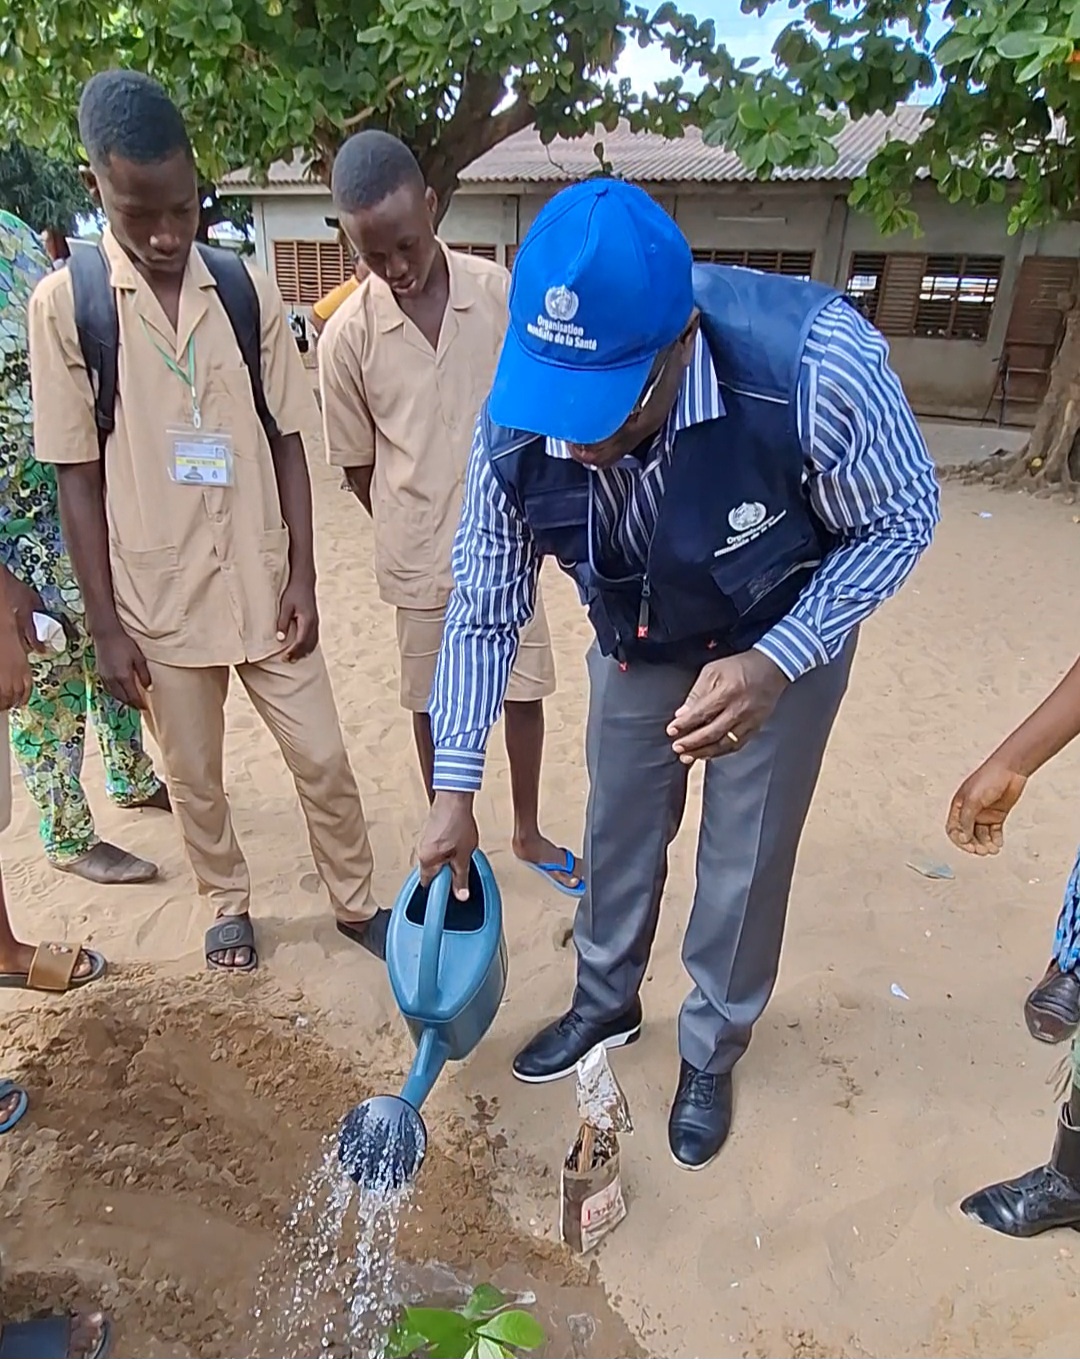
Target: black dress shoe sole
column 685, row 1165
column 617, row 1040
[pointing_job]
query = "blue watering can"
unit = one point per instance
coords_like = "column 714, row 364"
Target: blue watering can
column 447, row 964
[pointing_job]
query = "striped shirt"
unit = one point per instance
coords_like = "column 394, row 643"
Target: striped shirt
column 869, row 479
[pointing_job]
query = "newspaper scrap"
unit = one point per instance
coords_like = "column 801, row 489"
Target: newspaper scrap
column 590, row 1184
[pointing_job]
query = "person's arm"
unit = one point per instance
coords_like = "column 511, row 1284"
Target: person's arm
column 348, row 426
column 496, row 566
column 976, row 820
column 872, row 482
column 65, row 434
column 292, row 404
column 15, row 679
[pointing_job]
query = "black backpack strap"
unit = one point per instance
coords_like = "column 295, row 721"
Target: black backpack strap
column 241, row 303
column 99, row 333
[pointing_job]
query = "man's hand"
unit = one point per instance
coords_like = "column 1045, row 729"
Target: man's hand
column 730, row 700
column 449, row 837
column 15, row 679
column 977, row 815
column 122, row 667
column 25, row 602
column 298, row 620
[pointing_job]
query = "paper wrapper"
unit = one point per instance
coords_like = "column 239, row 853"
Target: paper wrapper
column 590, row 1183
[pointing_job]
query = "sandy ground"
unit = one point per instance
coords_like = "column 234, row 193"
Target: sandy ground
column 829, row 1225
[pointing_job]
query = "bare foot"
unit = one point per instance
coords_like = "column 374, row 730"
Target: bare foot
column 537, row 849
column 18, row 959
column 87, row 1330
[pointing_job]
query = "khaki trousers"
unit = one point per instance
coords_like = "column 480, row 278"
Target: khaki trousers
column 186, row 714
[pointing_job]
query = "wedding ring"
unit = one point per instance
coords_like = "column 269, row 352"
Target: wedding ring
column 733, row 738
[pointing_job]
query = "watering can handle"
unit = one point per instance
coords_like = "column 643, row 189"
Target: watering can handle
column 438, row 900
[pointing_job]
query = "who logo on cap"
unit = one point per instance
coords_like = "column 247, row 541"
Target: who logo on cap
column 601, row 284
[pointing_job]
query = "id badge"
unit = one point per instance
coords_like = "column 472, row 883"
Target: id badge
column 201, row 458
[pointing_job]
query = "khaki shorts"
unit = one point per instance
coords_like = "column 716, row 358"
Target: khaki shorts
column 419, row 633
column 5, row 774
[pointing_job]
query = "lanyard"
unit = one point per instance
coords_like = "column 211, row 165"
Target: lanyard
column 185, row 374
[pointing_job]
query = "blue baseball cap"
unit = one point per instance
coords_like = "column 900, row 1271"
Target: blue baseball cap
column 602, row 283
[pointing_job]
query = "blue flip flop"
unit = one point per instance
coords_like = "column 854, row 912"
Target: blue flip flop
column 21, row 1106
column 567, row 866
column 45, row 1338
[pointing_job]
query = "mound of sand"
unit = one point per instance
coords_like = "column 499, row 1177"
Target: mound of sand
column 172, row 1123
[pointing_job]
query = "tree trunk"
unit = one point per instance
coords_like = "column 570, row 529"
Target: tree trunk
column 1049, row 463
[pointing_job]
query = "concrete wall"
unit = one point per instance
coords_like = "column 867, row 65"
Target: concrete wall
column 942, row 377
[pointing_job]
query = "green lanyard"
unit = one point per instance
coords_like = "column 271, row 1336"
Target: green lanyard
column 186, row 375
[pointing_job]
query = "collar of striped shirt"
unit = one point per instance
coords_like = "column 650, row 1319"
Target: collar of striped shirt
column 699, row 400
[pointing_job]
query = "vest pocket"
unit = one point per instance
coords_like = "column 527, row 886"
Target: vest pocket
column 765, row 575
column 559, row 522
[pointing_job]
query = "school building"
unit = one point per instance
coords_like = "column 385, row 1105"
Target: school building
column 973, row 315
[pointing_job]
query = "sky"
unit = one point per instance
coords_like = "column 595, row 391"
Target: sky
column 743, row 35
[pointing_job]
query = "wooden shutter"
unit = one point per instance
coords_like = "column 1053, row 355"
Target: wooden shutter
column 901, row 287
column 791, row 263
column 483, row 252
column 287, row 271
column 307, row 270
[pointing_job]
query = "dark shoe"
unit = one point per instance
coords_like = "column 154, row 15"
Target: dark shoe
column 1052, row 1011
column 1043, row 1198
column 700, row 1117
column 369, row 934
column 110, row 865
column 556, row 1050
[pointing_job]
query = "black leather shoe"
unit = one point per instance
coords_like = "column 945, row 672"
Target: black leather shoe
column 1052, row 1011
column 700, row 1117
column 1046, row 1197
column 556, row 1050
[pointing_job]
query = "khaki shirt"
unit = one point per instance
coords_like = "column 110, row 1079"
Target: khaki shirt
column 197, row 573
column 391, row 402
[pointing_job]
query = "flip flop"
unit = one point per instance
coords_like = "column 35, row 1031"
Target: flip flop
column 230, row 931
column 11, row 1088
column 53, row 969
column 567, row 866
column 369, row 934
column 45, row 1338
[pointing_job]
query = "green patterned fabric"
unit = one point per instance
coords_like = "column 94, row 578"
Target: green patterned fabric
column 48, row 735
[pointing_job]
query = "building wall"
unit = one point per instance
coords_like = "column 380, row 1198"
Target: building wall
column 943, row 377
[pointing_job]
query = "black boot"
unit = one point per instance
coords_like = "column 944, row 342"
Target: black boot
column 1043, row 1198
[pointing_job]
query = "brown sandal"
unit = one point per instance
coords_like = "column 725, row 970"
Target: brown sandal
column 53, row 969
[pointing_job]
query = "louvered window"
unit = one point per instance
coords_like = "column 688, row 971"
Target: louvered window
column 791, row 263
column 308, row 270
column 483, row 252
column 944, row 297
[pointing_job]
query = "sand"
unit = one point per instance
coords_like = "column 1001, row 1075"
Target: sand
column 828, row 1226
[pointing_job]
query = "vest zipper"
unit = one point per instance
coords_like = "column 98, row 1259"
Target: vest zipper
column 643, row 608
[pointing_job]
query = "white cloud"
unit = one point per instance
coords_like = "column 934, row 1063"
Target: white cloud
column 743, row 36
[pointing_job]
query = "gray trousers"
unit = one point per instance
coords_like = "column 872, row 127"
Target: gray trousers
column 754, row 807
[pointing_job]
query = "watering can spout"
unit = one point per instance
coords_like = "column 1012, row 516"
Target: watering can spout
column 431, row 1054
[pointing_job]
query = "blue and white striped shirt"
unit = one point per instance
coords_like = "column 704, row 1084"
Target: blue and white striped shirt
column 869, row 479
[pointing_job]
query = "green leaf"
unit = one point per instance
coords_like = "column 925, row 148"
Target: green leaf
column 487, row 1349
column 1015, row 46
column 516, row 1328
column 448, row 1333
column 486, row 1298
column 401, row 1343
column 752, row 117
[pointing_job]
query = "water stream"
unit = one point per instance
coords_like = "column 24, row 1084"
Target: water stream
column 329, row 1291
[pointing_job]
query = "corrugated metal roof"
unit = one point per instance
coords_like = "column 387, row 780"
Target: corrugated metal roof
column 641, row 156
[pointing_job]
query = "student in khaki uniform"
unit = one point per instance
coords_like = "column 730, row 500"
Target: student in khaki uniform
column 404, row 365
column 184, row 582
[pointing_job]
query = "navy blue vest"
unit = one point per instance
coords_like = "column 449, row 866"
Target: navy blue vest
column 736, row 540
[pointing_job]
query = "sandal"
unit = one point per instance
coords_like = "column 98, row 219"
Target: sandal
column 229, row 932
column 23, row 1103
column 53, row 969
column 369, row 934
column 46, row 1338
column 568, row 866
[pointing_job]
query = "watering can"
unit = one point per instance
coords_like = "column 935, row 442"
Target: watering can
column 447, row 965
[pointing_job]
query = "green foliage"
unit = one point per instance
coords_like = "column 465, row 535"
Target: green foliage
column 486, row 1327
column 260, row 78
column 1005, row 79
column 42, row 191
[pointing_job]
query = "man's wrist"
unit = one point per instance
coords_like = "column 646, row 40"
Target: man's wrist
column 793, row 648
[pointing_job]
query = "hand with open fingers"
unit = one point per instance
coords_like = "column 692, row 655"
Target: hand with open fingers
column 298, row 620
column 730, row 700
column 450, row 836
column 977, row 815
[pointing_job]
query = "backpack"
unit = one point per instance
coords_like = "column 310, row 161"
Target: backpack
column 98, row 325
